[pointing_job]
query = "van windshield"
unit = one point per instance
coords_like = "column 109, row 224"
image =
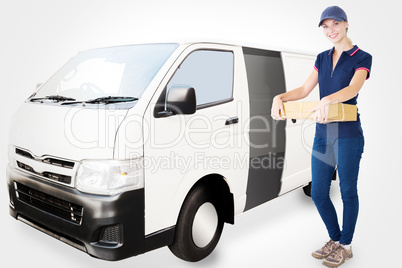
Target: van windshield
column 114, row 71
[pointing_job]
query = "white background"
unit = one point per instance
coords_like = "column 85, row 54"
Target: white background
column 37, row 37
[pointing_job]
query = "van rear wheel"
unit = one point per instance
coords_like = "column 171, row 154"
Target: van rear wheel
column 307, row 189
column 199, row 226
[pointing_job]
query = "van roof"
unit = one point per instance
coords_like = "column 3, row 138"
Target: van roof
column 241, row 43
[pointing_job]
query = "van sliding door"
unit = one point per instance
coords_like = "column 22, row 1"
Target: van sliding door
column 267, row 136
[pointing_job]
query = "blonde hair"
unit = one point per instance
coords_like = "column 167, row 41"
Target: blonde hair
column 350, row 40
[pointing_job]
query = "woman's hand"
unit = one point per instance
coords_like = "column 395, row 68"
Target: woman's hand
column 277, row 111
column 321, row 111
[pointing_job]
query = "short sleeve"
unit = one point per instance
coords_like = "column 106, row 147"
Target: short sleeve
column 317, row 63
column 365, row 64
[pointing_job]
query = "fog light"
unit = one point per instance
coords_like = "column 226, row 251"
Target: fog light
column 111, row 235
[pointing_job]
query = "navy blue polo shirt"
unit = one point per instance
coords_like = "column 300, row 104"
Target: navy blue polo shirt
column 332, row 80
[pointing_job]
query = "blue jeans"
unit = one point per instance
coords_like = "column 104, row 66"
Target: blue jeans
column 345, row 154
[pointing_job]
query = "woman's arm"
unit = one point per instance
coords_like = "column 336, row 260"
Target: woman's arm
column 295, row 94
column 347, row 93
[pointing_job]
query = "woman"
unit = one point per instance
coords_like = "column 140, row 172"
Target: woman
column 340, row 73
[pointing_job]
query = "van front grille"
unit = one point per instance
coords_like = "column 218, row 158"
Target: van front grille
column 49, row 175
column 23, row 153
column 48, row 160
column 50, row 204
column 58, row 162
column 56, row 169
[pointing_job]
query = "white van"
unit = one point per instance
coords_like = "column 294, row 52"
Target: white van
column 128, row 149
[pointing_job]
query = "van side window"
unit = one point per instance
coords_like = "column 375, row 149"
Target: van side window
column 210, row 73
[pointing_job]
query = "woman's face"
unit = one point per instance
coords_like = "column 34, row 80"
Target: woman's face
column 334, row 30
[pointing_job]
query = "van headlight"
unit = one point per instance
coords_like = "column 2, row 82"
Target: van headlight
column 109, row 177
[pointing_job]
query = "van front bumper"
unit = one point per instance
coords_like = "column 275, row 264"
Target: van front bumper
column 106, row 227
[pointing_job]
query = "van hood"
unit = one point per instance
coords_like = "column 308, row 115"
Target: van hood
column 74, row 133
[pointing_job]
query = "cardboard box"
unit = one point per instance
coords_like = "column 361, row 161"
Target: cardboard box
column 338, row 112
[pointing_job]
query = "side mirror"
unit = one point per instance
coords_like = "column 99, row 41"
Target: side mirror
column 180, row 100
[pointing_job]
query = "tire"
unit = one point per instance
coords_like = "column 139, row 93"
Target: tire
column 307, row 189
column 334, row 175
column 199, row 226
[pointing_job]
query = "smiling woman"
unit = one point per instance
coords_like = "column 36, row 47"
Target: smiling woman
column 335, row 30
column 340, row 73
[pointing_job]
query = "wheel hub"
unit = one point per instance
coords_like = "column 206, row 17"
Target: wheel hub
column 204, row 225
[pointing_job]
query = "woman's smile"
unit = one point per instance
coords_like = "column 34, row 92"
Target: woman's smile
column 333, row 35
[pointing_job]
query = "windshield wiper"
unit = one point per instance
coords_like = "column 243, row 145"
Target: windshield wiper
column 53, row 97
column 111, row 99
column 106, row 100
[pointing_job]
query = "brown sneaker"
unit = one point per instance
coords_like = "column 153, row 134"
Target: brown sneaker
column 325, row 251
column 338, row 257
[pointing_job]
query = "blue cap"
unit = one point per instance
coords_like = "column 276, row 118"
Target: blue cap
column 335, row 13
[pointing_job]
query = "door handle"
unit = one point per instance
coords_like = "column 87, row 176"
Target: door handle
column 232, row 120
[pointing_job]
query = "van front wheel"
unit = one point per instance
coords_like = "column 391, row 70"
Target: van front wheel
column 199, row 226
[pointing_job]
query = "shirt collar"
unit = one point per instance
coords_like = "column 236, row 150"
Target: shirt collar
column 350, row 52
